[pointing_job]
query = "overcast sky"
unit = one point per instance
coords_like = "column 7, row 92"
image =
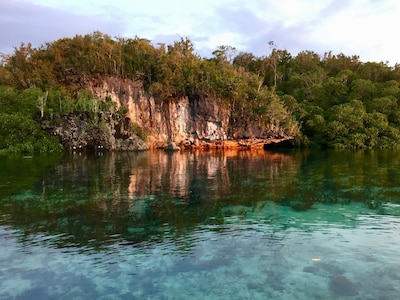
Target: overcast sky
column 368, row 28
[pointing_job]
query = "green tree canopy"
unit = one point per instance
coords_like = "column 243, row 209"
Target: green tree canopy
column 332, row 99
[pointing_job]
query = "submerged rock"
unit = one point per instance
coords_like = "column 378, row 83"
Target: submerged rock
column 310, row 269
column 341, row 286
column 332, row 269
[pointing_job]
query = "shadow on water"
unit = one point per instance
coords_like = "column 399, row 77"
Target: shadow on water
column 99, row 200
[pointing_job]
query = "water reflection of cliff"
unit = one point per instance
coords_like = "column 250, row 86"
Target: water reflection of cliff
column 140, row 196
column 183, row 174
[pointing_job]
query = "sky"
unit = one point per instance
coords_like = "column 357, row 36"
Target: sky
column 367, row 28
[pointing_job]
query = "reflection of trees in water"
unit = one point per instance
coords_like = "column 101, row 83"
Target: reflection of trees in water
column 150, row 196
column 147, row 196
column 339, row 177
column 142, row 196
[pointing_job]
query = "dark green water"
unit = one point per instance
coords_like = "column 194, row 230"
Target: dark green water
column 233, row 225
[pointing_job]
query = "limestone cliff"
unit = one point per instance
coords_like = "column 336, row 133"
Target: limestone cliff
column 178, row 121
column 85, row 132
column 175, row 122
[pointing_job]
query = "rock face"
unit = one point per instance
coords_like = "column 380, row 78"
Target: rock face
column 105, row 131
column 180, row 121
column 183, row 122
column 170, row 124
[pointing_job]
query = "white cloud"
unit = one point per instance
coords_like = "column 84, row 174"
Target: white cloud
column 292, row 13
column 362, row 27
column 224, row 38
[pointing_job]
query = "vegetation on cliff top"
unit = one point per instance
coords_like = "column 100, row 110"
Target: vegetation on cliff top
column 332, row 100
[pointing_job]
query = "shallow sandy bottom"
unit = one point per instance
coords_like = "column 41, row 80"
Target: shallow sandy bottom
column 292, row 256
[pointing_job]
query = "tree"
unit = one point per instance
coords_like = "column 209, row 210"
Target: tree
column 334, row 97
column 279, row 63
column 42, row 100
column 362, row 89
column 245, row 60
column 387, row 106
column 333, row 64
column 176, row 71
column 224, row 54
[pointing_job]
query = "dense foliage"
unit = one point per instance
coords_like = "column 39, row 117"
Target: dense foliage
column 334, row 100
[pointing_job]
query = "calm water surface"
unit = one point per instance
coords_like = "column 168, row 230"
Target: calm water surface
column 195, row 225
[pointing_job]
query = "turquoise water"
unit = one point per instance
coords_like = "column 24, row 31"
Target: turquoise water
column 195, row 225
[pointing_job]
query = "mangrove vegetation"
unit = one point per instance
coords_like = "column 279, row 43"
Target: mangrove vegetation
column 329, row 100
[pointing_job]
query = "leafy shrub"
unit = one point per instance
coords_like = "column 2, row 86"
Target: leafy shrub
column 135, row 128
column 23, row 135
